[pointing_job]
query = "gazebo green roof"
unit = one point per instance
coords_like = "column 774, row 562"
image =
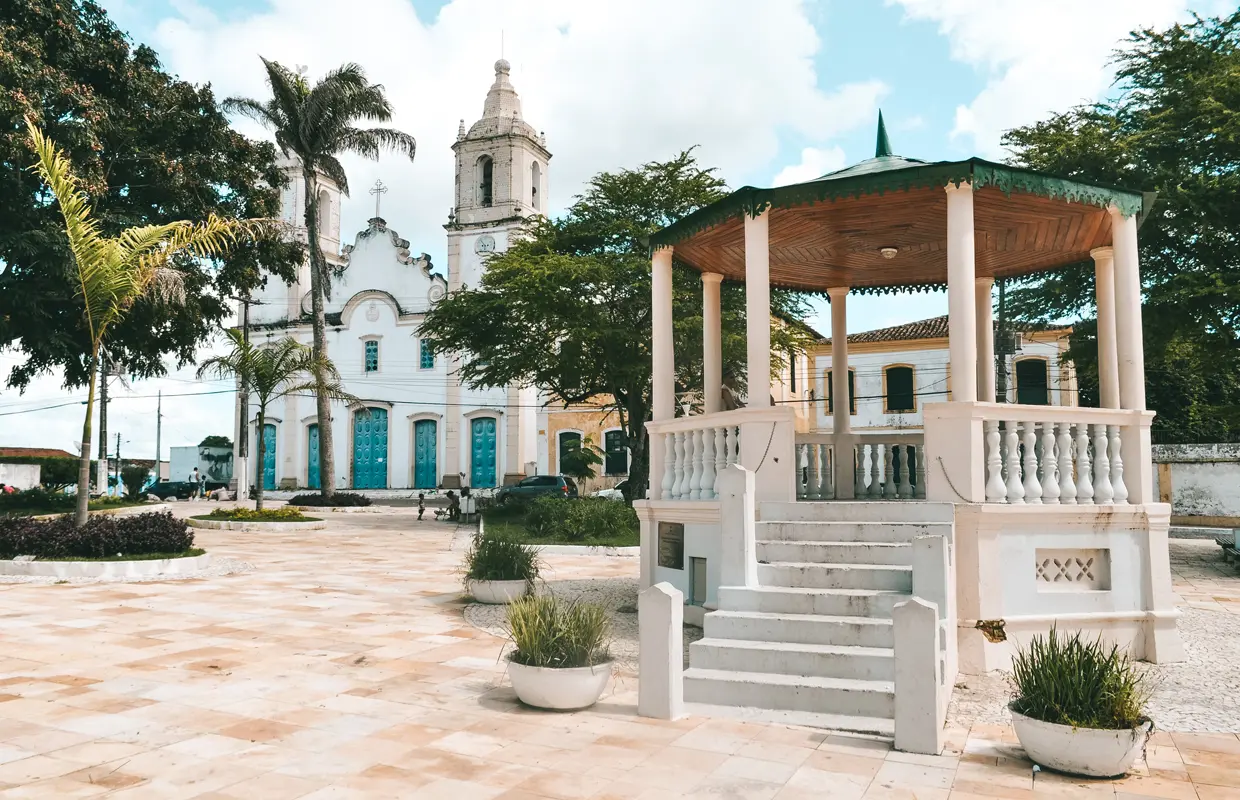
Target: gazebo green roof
column 871, row 204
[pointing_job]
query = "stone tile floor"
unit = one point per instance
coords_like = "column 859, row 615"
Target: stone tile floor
column 341, row 667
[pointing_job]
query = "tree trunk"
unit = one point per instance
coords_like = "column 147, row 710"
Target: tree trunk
column 258, row 459
column 83, row 487
column 318, row 270
column 639, row 461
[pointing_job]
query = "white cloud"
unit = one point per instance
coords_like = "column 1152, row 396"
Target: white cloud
column 612, row 85
column 815, row 162
column 1038, row 58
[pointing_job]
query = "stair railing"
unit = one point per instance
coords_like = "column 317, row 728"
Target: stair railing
column 924, row 629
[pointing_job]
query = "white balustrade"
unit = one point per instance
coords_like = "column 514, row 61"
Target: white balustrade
column 814, row 477
column 1056, row 461
column 890, row 467
column 695, row 458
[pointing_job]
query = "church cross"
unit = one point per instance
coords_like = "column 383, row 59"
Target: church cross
column 378, row 190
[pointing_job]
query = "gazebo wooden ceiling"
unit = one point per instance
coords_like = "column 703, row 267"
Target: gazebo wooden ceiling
column 829, row 232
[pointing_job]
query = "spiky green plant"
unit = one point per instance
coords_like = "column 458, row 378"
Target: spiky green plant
column 496, row 556
column 549, row 632
column 1069, row 680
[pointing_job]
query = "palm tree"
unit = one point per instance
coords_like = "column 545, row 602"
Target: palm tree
column 114, row 273
column 317, row 124
column 273, row 371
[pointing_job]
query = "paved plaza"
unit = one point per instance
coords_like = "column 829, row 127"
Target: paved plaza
column 341, row 666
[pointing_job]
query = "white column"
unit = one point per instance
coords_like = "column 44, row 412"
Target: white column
column 663, row 388
column 961, row 293
column 841, row 422
column 985, row 340
column 1128, row 335
column 712, row 343
column 1104, row 293
column 758, row 308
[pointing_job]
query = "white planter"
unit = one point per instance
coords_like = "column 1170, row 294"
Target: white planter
column 559, row 689
column 1080, row 751
column 497, row 592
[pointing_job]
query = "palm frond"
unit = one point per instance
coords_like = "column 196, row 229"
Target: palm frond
column 369, row 142
column 266, row 114
column 332, row 168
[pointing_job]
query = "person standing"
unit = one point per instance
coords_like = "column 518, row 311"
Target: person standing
column 195, row 486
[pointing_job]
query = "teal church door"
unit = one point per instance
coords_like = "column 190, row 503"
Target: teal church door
column 425, row 474
column 269, row 457
column 312, row 472
column 482, row 449
column 370, row 448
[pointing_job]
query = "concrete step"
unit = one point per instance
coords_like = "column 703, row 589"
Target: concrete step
column 795, row 693
column 858, row 511
column 831, row 552
column 794, row 600
column 867, row 728
column 762, row 626
column 792, row 658
column 810, row 575
column 830, row 531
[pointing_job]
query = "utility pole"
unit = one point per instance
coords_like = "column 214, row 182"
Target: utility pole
column 240, row 481
column 118, row 459
column 101, row 471
column 159, row 425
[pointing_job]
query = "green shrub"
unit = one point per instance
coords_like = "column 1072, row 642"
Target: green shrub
column 57, row 473
column 101, row 536
column 337, row 500
column 581, row 520
column 1068, row 680
column 496, row 556
column 548, row 632
column 250, row 515
column 134, row 476
column 38, row 501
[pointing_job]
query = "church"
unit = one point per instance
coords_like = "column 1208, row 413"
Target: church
column 416, row 426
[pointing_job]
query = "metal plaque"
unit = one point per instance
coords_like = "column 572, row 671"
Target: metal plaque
column 672, row 545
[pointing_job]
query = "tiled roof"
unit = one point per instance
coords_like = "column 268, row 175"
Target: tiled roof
column 33, row 452
column 933, row 328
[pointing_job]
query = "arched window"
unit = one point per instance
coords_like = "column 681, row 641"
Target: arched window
column 325, row 213
column 535, row 182
column 486, row 168
column 898, row 394
column 1032, row 382
column 570, row 441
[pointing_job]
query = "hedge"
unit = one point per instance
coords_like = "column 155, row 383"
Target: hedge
column 101, row 536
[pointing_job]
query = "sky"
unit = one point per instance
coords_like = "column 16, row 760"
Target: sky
column 770, row 92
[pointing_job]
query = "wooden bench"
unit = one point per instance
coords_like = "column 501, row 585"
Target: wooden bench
column 1229, row 543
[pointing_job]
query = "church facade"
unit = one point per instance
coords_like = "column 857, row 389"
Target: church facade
column 416, row 426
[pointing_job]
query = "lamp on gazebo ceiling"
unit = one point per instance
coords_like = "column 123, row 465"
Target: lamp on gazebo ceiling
column 888, row 252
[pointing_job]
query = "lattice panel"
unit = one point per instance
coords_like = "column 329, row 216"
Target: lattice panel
column 1073, row 570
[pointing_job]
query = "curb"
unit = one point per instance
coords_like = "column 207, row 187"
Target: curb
column 106, row 569
column 254, row 525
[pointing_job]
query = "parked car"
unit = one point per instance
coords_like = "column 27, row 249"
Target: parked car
column 535, row 485
column 618, row 492
column 181, row 490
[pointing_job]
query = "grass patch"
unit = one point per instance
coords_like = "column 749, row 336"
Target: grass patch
column 250, row 515
column 101, row 504
column 191, row 553
column 584, row 521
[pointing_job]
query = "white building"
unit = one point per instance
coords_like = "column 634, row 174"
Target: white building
column 416, row 426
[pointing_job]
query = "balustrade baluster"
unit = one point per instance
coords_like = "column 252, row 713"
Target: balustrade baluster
column 1050, row 465
column 669, row 466
column 1104, row 493
column 721, row 458
column 1067, row 487
column 826, row 475
column 875, row 465
column 708, row 465
column 919, row 453
column 1033, row 488
column 889, row 472
column 734, row 445
column 811, row 474
column 801, row 454
column 1119, row 488
column 996, row 490
column 859, row 470
column 693, row 450
column 1084, row 471
column 904, row 486
column 678, row 486
column 1015, row 489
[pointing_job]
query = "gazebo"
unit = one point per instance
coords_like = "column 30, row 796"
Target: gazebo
column 1052, row 516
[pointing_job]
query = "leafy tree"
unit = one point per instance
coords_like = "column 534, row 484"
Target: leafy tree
column 216, row 441
column 134, row 477
column 115, row 274
column 1173, row 127
column 567, row 307
column 270, row 372
column 317, row 124
column 579, row 459
column 149, row 149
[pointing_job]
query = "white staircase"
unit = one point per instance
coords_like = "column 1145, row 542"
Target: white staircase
column 813, row 642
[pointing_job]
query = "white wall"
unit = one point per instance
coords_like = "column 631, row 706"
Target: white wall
column 20, row 476
column 1200, row 479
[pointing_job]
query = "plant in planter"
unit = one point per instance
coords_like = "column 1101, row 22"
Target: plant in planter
column 1079, row 705
column 499, row 569
column 561, row 659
